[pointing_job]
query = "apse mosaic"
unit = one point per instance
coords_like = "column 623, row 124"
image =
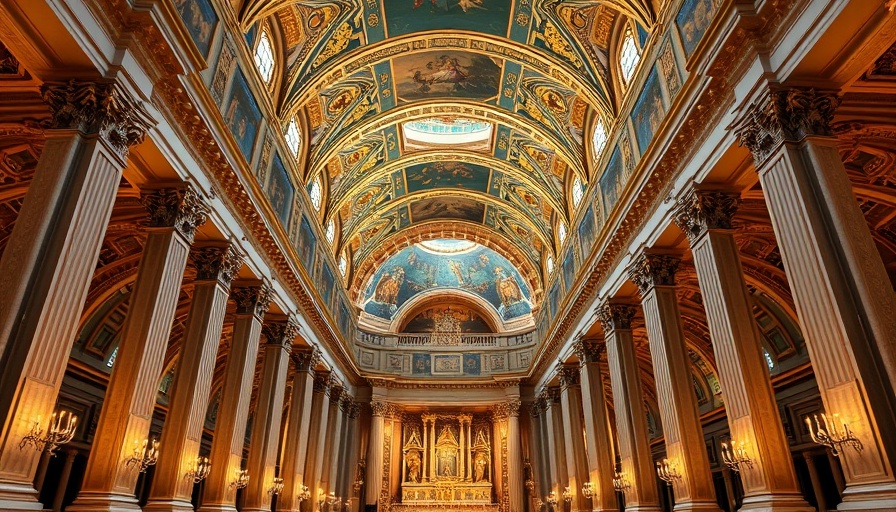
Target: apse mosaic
column 476, row 270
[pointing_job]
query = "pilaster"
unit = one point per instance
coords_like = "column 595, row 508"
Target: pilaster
column 576, row 456
column 556, row 439
column 319, row 410
column 295, row 451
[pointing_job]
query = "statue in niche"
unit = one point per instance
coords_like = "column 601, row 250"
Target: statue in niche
column 480, row 465
column 412, row 459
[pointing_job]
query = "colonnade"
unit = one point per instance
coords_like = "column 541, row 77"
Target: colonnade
column 845, row 306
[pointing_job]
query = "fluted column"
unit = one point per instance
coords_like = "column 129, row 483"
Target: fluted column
column 349, row 470
column 131, row 395
column 556, row 439
column 844, row 299
column 331, row 443
column 547, row 477
column 506, row 416
column 631, row 419
column 574, row 434
column 263, row 446
column 682, row 432
column 182, row 434
column 746, row 387
column 298, row 432
column 252, row 301
column 376, row 485
column 50, row 258
column 598, row 435
column 317, row 433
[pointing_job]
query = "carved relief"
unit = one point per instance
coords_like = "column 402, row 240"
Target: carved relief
column 588, row 351
column 281, row 333
column 215, row 263
column 252, row 300
column 504, row 410
column 614, row 316
column 651, row 270
column 182, row 209
column 699, row 211
column 569, row 375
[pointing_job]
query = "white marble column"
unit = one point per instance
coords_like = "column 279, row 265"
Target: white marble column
column 844, row 298
column 333, row 441
column 506, row 417
column 574, row 433
column 598, row 434
column 131, row 395
column 746, row 386
column 263, row 445
column 682, row 431
column 50, row 258
column 631, row 419
column 252, row 300
column 556, row 440
column 216, row 266
column 377, row 481
column 298, row 432
column 317, row 433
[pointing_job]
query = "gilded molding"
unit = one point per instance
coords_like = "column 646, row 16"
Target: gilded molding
column 650, row 270
column 252, row 300
column 785, row 114
column 699, row 211
column 614, row 316
column 281, row 333
column 181, row 209
column 217, row 263
column 503, row 410
column 100, row 107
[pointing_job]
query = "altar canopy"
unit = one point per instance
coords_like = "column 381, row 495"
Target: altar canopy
column 447, row 461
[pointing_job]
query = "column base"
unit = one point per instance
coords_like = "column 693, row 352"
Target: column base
column 104, row 502
column 644, row 508
column 14, row 496
column 168, row 506
column 776, row 503
column 869, row 497
column 707, row 506
column 217, row 507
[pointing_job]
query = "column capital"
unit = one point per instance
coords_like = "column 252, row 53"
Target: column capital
column 569, row 375
column 346, row 402
column 321, row 382
column 504, row 410
column 335, row 392
column 306, row 360
column 102, row 107
column 281, row 332
column 785, row 113
column 179, row 208
column 355, row 410
column 698, row 211
column 334, row 386
column 650, row 270
column 217, row 263
column 614, row 316
column 252, row 299
column 384, row 409
column 550, row 395
column 588, row 351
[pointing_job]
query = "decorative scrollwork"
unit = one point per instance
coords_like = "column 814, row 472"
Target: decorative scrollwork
column 305, row 361
column 569, row 375
column 216, row 263
column 588, row 351
column 504, row 410
column 699, row 211
column 281, row 333
column 651, row 270
column 615, row 316
column 182, row 209
column 252, row 300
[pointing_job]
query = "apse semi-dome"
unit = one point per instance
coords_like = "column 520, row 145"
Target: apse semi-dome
column 452, row 267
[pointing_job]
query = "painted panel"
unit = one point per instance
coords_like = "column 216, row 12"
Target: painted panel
column 242, row 115
column 586, row 233
column 447, row 175
column 488, row 16
column 569, row 269
column 445, row 364
column 649, row 111
column 554, row 301
column 421, row 364
column 280, row 190
column 611, row 182
column 306, row 244
column 327, row 284
column 441, row 208
column 451, row 74
column 693, row 19
column 200, row 18
column 472, row 364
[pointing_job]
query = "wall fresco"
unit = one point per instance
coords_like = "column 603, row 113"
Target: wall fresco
column 242, row 115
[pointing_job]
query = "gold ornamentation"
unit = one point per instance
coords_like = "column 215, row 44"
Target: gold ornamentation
column 338, row 42
column 181, row 209
column 699, row 211
column 216, row 263
column 615, row 316
column 651, row 270
column 558, row 44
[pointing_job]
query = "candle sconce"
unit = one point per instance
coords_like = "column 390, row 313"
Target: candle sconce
column 305, row 494
column 144, row 455
column 620, row 483
column 568, row 494
column 735, row 456
column 276, row 487
column 667, row 471
column 587, row 490
column 830, row 435
column 242, row 479
column 60, row 431
column 551, row 499
column 199, row 470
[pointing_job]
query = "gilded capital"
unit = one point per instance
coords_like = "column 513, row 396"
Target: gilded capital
column 785, row 114
column 651, row 270
column 252, row 299
column 504, row 410
column 569, row 375
column 384, row 409
column 306, row 360
column 588, row 351
column 699, row 211
column 217, row 263
column 181, row 209
column 615, row 316
column 281, row 333
column 98, row 107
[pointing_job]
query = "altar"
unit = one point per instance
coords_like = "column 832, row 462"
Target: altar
column 446, row 463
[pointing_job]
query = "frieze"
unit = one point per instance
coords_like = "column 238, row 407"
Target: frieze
column 216, row 263
column 651, row 269
column 182, row 209
column 699, row 211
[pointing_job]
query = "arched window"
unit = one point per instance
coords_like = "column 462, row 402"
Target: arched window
column 331, row 231
column 598, row 139
column 577, row 192
column 561, row 231
column 315, row 193
column 343, row 265
column 264, row 56
column 629, row 54
column 549, row 263
column 293, row 137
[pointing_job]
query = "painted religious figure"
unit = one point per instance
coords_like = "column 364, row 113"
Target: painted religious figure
column 413, row 461
column 480, row 467
column 447, row 462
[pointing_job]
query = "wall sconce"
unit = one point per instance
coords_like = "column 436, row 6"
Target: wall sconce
column 620, row 483
column 276, row 487
column 587, row 490
column 530, row 486
column 667, row 471
column 144, row 455
column 199, row 469
column 551, row 499
column 242, row 479
column 60, row 431
column 305, row 494
column 332, row 499
column 830, row 434
column 567, row 494
column 321, row 498
column 735, row 455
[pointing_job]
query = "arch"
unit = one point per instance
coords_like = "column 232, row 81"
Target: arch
column 414, row 305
